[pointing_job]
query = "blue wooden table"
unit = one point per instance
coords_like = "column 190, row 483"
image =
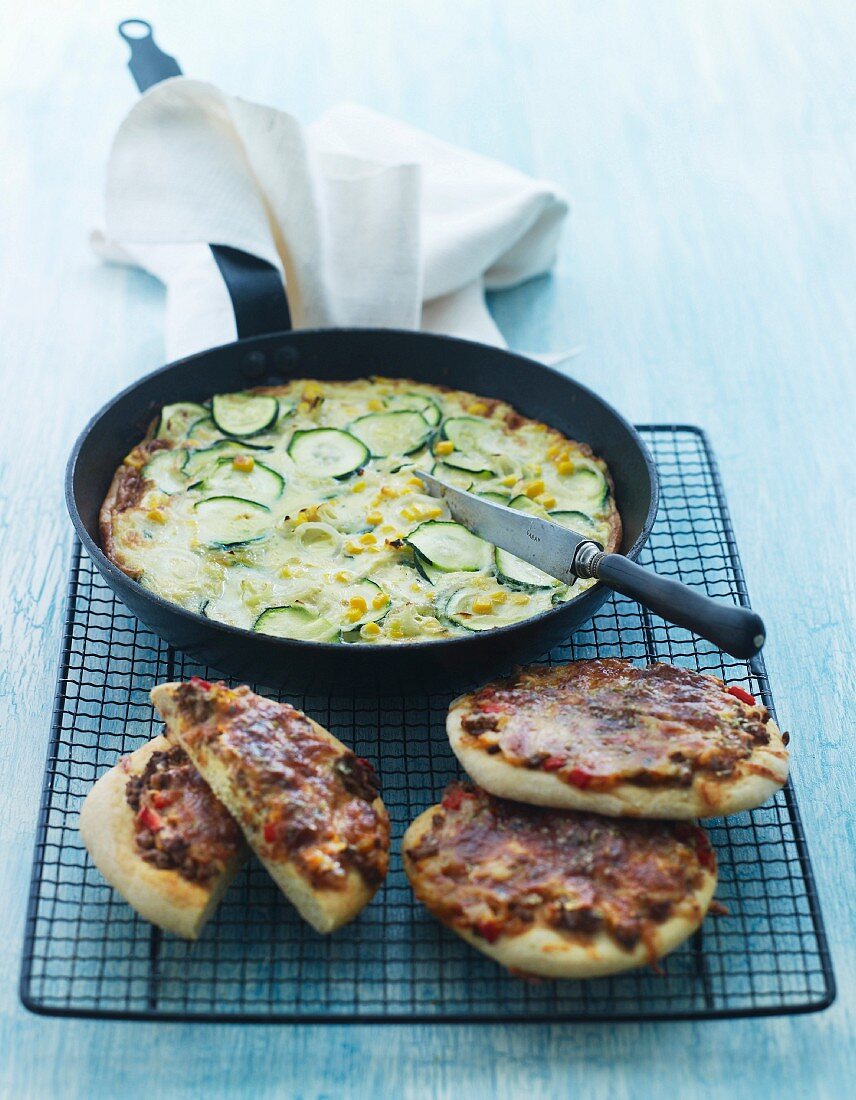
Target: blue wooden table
column 708, row 276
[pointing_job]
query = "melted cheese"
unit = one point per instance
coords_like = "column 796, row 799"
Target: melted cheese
column 322, row 536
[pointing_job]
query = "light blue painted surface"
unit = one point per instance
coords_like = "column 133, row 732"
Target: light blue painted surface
column 708, row 272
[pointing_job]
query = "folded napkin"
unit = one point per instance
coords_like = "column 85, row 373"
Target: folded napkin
column 371, row 222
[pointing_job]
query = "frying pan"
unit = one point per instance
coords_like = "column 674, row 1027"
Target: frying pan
column 267, row 353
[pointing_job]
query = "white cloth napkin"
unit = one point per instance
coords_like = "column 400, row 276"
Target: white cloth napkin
column 372, row 222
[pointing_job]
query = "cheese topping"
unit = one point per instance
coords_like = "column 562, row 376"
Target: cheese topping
column 301, row 526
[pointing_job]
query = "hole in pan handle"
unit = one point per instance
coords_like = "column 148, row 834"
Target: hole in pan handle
column 255, row 287
column 736, row 630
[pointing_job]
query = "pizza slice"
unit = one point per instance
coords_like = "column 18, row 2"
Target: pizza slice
column 608, row 736
column 308, row 806
column 555, row 893
column 160, row 837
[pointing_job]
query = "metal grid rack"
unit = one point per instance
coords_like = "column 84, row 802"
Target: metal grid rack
column 86, row 953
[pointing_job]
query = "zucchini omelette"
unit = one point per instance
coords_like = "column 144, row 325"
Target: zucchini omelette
column 294, row 510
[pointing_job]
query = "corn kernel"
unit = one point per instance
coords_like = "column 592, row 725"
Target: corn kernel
column 566, row 468
column 388, row 492
column 354, row 615
column 368, row 539
column 374, row 518
column 431, row 513
column 547, row 501
column 444, row 447
column 156, row 515
column 415, row 587
column 395, row 631
column 387, row 529
column 304, row 407
column 343, row 576
column 509, row 481
column 370, row 630
column 563, row 455
column 359, row 602
column 499, row 596
column 358, row 486
column 482, row 605
column 415, row 482
column 520, row 598
column 554, row 451
column 285, row 571
column 375, row 405
column 534, row 489
column 244, row 463
column 354, row 548
column 477, row 408
column 380, row 600
column 312, row 390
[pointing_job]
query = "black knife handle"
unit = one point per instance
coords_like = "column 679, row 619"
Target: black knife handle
column 736, row 630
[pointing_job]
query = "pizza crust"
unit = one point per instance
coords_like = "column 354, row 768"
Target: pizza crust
column 543, row 952
column 754, row 781
column 325, row 909
column 162, row 897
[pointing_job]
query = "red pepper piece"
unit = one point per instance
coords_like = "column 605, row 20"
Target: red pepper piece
column 161, row 799
column 553, row 763
column 742, row 695
column 491, row 708
column 579, row 778
column 453, row 798
column 270, row 833
column 491, row 930
column 198, row 682
column 150, row 819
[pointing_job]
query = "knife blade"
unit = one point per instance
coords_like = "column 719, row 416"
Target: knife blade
column 547, row 546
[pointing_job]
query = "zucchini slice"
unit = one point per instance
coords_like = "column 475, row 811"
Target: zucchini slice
column 451, row 476
column 419, row 402
column 430, row 572
column 226, row 522
column 296, row 622
column 197, row 461
column 523, row 503
column 516, row 571
column 459, row 609
column 575, row 521
column 203, row 432
column 450, row 547
column 260, row 483
column 175, row 419
column 494, row 497
column 392, row 433
column 328, row 452
column 164, row 469
column 244, row 414
column 473, row 433
column 472, row 464
column 587, row 487
column 369, row 591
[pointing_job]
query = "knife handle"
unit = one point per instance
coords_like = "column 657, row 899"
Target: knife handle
column 736, row 630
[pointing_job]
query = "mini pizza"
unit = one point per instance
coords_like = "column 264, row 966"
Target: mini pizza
column 308, row 806
column 555, row 893
column 615, row 739
column 160, row 837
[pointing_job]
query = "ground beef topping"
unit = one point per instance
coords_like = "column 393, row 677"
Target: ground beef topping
column 180, row 825
column 498, row 868
column 600, row 722
column 312, row 802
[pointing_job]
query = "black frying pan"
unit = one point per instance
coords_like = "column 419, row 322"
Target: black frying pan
column 261, row 358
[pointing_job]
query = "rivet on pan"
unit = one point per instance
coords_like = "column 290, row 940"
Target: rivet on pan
column 253, row 366
column 285, row 359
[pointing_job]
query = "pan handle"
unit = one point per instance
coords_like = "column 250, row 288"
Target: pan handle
column 255, row 287
column 736, row 630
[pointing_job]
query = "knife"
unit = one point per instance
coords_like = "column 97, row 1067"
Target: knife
column 567, row 556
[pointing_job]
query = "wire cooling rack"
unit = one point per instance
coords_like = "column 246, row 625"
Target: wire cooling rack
column 86, row 953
